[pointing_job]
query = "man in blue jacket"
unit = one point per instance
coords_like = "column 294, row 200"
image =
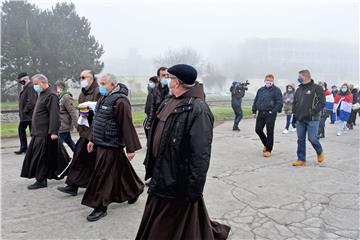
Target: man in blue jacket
column 268, row 102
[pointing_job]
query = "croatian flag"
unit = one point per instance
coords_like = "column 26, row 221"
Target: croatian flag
column 329, row 100
column 345, row 103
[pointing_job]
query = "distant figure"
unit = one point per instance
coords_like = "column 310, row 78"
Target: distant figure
column 334, row 91
column 151, row 86
column 355, row 108
column 68, row 114
column 159, row 93
column 46, row 157
column 308, row 103
column 177, row 161
column 114, row 179
column 27, row 100
column 237, row 94
column 83, row 162
column 343, row 105
column 327, row 110
column 268, row 102
column 288, row 99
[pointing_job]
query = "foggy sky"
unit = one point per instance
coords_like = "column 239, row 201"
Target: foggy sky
column 152, row 27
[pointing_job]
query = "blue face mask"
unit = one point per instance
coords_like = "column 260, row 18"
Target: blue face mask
column 103, row 91
column 300, row 80
column 37, row 88
column 165, row 81
column 344, row 90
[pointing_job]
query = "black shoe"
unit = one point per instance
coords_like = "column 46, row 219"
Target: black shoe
column 96, row 214
column 72, row 190
column 20, row 152
column 236, row 128
column 132, row 201
column 37, row 185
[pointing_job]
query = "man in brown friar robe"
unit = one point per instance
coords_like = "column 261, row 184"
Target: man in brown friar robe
column 114, row 179
column 177, row 161
column 82, row 165
column 46, row 156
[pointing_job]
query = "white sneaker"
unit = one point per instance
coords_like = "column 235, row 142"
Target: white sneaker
column 293, row 130
column 285, row 131
column 338, row 133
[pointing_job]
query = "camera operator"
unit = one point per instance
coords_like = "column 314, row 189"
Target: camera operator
column 237, row 90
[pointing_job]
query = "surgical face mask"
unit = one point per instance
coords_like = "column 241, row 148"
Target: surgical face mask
column 268, row 83
column 334, row 89
column 165, row 81
column 344, row 89
column 103, row 90
column 289, row 89
column 300, row 80
column 151, row 85
column 84, row 83
column 37, row 88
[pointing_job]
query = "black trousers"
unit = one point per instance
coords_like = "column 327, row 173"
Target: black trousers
column 22, row 134
column 266, row 119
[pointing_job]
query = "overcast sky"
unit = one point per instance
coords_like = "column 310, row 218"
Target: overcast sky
column 152, row 27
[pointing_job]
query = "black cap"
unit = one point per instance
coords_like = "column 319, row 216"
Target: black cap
column 186, row 73
column 22, row 74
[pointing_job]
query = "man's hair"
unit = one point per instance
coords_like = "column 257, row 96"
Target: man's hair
column 269, row 76
column 111, row 78
column 41, row 77
column 305, row 73
column 60, row 84
column 90, row 72
column 160, row 69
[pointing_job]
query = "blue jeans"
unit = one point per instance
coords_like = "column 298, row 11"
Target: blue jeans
column 311, row 127
column 66, row 137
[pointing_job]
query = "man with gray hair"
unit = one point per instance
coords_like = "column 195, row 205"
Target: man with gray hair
column 114, row 179
column 46, row 156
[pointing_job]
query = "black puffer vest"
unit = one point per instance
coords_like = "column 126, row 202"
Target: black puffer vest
column 106, row 131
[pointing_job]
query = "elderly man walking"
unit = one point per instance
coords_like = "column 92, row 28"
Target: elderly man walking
column 114, row 179
column 83, row 162
column 177, row 161
column 46, row 156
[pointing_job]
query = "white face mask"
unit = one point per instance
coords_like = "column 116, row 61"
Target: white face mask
column 268, row 83
column 84, row 83
column 151, row 84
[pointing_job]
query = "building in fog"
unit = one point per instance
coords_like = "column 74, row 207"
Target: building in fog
column 329, row 61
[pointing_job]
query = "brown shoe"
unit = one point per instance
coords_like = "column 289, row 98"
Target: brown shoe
column 298, row 163
column 267, row 154
column 321, row 157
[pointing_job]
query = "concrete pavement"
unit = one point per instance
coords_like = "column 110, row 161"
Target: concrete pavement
column 261, row 198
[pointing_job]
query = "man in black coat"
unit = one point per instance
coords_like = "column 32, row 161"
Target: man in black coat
column 177, row 161
column 268, row 102
column 27, row 100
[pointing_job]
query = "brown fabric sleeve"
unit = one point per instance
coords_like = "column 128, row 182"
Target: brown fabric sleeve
column 122, row 114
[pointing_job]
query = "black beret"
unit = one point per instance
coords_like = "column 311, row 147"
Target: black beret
column 22, row 74
column 186, row 73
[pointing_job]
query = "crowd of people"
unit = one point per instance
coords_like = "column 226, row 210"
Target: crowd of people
column 179, row 131
column 306, row 107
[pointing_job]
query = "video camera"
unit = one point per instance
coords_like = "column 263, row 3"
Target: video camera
column 242, row 85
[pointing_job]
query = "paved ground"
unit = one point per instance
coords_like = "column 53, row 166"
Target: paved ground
column 260, row 198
